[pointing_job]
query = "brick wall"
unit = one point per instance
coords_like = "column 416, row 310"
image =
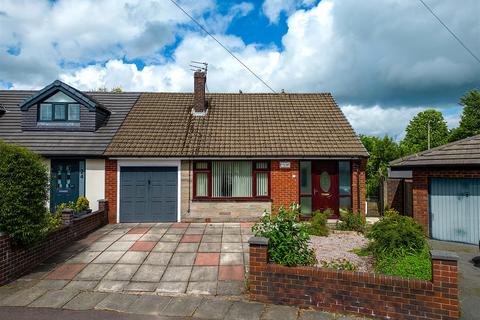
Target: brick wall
column 16, row 261
column 359, row 293
column 284, row 184
column 420, row 189
column 111, row 189
column 395, row 194
column 362, row 165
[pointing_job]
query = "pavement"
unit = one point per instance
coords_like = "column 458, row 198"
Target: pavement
column 469, row 276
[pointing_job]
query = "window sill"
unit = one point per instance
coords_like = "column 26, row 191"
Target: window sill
column 232, row 200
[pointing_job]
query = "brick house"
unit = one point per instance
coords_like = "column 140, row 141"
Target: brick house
column 192, row 156
column 445, row 189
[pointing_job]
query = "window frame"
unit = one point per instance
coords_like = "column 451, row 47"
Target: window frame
column 54, row 105
column 208, row 170
column 350, row 195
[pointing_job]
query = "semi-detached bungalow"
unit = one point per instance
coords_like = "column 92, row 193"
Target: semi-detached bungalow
column 190, row 156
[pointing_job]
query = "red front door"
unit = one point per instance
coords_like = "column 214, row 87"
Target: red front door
column 325, row 186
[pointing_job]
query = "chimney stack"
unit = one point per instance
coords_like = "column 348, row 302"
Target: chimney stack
column 200, row 79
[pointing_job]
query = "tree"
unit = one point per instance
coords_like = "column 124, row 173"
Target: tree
column 416, row 139
column 470, row 120
column 382, row 151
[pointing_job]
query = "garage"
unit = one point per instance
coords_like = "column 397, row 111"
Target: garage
column 455, row 209
column 148, row 194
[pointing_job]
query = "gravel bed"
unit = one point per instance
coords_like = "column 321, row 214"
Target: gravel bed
column 338, row 246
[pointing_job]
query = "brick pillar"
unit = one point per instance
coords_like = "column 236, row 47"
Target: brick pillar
column 284, row 184
column 445, row 282
column 258, row 263
column 362, row 166
column 103, row 206
column 111, row 189
column 67, row 216
column 420, row 198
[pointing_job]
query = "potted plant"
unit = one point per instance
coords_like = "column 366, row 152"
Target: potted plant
column 83, row 206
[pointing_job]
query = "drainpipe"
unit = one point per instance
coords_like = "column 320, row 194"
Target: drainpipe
column 357, row 173
column 189, row 183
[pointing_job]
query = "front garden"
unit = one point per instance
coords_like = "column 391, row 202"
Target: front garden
column 395, row 245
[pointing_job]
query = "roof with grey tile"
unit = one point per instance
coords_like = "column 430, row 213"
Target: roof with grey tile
column 464, row 152
column 237, row 125
column 65, row 143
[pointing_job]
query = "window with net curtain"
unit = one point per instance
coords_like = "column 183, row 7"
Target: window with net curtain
column 232, row 179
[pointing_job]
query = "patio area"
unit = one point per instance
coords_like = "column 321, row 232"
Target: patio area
column 165, row 258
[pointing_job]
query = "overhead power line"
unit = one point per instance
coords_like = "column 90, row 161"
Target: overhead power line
column 221, row 44
column 451, row 32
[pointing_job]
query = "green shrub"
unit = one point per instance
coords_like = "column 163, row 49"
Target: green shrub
column 318, row 226
column 23, row 194
column 288, row 237
column 54, row 221
column 64, row 205
column 409, row 265
column 82, row 204
column 396, row 235
column 350, row 221
column 340, row 264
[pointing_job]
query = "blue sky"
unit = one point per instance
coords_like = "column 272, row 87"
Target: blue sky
column 383, row 60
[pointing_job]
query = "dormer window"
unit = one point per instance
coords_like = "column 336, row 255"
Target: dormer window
column 59, row 108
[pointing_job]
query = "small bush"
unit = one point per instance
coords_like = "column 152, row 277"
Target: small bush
column 288, row 237
column 23, row 194
column 54, row 221
column 340, row 264
column 350, row 221
column 397, row 235
column 318, row 226
column 82, row 204
column 409, row 265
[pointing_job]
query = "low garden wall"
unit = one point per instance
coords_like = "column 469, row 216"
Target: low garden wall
column 360, row 293
column 16, row 261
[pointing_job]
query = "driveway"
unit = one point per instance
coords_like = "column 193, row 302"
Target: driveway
column 469, row 276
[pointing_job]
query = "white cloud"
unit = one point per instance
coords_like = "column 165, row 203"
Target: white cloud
column 274, row 8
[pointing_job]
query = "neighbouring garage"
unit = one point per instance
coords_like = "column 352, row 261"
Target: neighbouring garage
column 148, row 194
column 455, row 209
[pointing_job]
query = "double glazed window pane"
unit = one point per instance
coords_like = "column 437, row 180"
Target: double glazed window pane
column 73, row 112
column 202, row 184
column 305, row 177
column 345, row 184
column 60, row 112
column 232, row 179
column 45, row 112
column 262, row 184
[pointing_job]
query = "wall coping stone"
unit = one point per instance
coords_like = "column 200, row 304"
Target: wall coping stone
column 262, row 241
column 443, row 255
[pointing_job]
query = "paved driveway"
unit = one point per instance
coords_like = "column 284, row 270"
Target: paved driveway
column 469, row 276
column 196, row 258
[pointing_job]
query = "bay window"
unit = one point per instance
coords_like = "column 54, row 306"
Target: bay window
column 236, row 179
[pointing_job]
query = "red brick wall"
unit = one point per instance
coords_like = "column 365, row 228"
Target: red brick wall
column 284, row 184
column 420, row 189
column 359, row 293
column 16, row 261
column 362, row 167
column 111, row 189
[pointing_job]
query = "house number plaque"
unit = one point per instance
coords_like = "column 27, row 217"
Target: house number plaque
column 284, row 164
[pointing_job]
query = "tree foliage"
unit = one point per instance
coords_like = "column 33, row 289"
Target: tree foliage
column 470, row 120
column 416, row 138
column 24, row 190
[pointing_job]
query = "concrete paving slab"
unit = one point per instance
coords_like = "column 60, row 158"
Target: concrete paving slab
column 202, row 287
column 231, row 258
column 54, row 299
column 241, row 310
column 65, row 271
column 209, row 247
column 117, row 302
column 187, row 247
column 151, row 237
column 51, row 284
column 110, row 237
column 120, row 246
column 23, row 297
column 130, row 237
column 204, row 273
column 39, row 272
column 231, row 230
column 141, row 286
column 231, row 238
column 84, row 257
column 195, row 231
column 276, row 312
column 230, row 288
column 214, row 309
column 108, row 257
column 85, row 301
column 315, row 315
column 214, row 231
column 149, row 273
column 165, row 247
column 180, row 231
column 232, row 247
column 81, row 285
column 99, row 246
column 94, row 272
column 172, row 287
column 212, row 238
column 182, row 306
column 133, row 257
column 111, row 285
column 171, row 238
column 177, row 273
column 182, row 259
column 150, row 305
column 122, row 272
column 158, row 258
column 235, row 273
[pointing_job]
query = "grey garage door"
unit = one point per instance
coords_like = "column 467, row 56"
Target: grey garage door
column 455, row 209
column 148, row 194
